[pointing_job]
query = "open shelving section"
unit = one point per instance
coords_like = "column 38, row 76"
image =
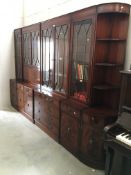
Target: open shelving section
column 111, row 35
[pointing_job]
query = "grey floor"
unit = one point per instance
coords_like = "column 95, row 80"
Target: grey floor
column 26, row 150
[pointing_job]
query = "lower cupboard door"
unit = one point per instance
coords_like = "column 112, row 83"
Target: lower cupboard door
column 69, row 133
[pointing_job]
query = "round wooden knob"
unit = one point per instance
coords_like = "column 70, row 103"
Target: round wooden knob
column 92, row 118
column 68, row 129
column 91, row 141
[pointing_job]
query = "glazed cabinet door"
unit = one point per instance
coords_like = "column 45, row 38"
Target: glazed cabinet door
column 55, row 53
column 18, row 54
column 26, row 41
column 62, row 39
column 47, row 35
column 81, row 57
column 35, row 46
column 31, row 53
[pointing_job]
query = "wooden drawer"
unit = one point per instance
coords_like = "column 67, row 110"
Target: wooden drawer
column 13, row 84
column 38, row 110
column 13, row 93
column 46, row 114
column 46, row 118
column 28, row 107
column 53, row 107
column 20, row 101
column 46, row 104
column 28, row 91
column 67, row 108
column 20, row 96
column 20, row 87
column 54, row 125
column 28, row 101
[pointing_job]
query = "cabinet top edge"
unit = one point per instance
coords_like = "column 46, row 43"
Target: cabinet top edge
column 57, row 19
column 31, row 27
column 113, row 8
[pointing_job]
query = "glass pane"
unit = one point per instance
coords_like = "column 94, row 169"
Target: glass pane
column 35, row 39
column 18, row 55
column 81, row 56
column 61, row 57
column 48, row 56
column 27, row 48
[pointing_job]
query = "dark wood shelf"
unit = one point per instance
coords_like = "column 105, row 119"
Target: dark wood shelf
column 80, row 81
column 105, row 87
column 102, row 111
column 111, row 39
column 81, row 62
column 108, row 64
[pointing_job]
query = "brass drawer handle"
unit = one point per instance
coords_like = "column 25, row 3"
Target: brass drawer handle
column 92, row 118
column 75, row 113
column 47, row 99
column 122, row 7
column 68, row 129
column 91, row 141
column 50, row 100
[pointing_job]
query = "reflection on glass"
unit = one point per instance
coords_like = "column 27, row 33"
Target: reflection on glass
column 35, row 49
column 48, row 56
column 81, row 56
column 18, row 55
column 61, row 57
column 26, row 48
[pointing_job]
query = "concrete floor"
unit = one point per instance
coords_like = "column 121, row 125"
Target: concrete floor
column 26, row 150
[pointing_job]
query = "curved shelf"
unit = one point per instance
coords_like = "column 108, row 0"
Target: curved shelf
column 105, row 87
column 108, row 64
column 103, row 111
column 111, row 39
column 126, row 72
column 127, row 108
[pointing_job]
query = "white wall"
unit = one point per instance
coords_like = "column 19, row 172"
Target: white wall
column 40, row 10
column 128, row 50
column 11, row 17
